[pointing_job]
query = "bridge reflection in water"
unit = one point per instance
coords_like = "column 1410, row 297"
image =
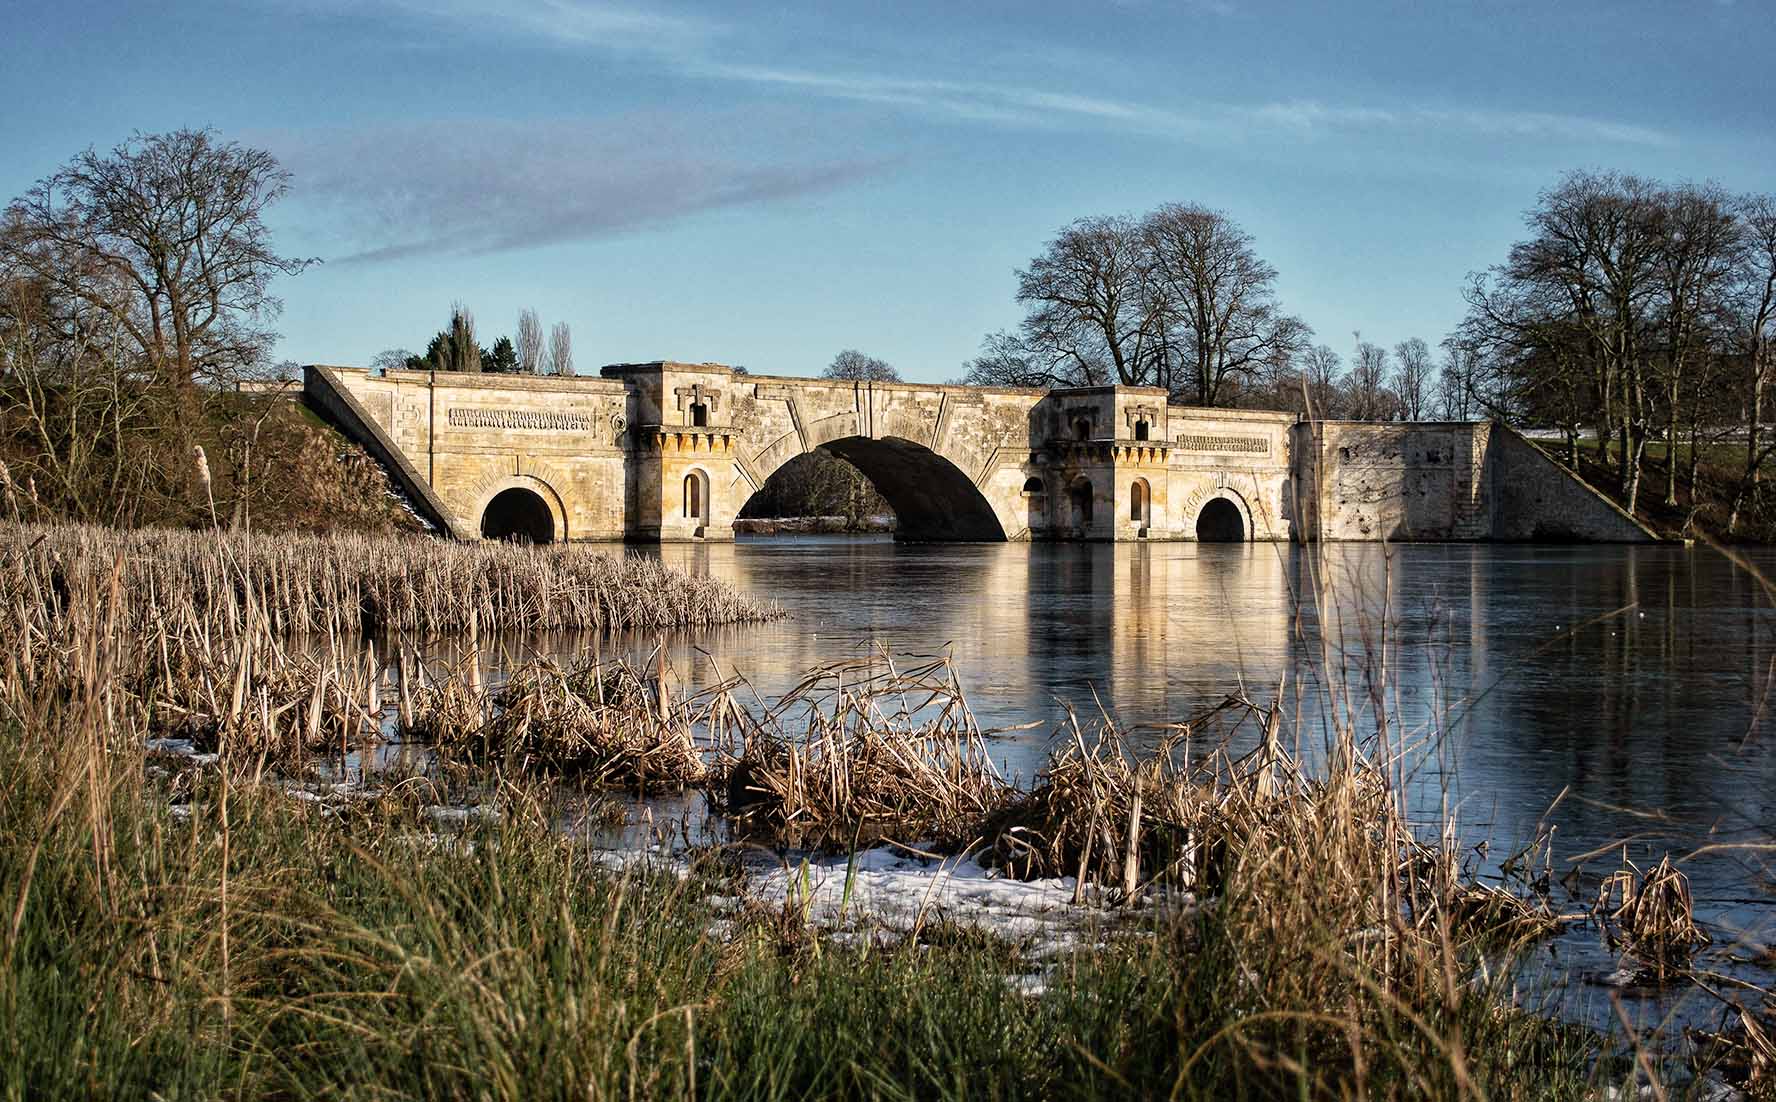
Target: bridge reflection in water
column 1631, row 677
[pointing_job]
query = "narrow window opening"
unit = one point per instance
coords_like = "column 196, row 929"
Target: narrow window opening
column 693, row 497
column 1140, row 430
column 1082, row 429
column 699, row 415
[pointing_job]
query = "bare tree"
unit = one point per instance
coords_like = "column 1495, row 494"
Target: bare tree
column 1699, row 245
column 1412, row 383
column 1369, row 397
column 1092, row 312
column 1755, row 335
column 165, row 235
column 854, row 365
column 1323, row 380
column 530, row 342
column 390, row 359
column 1005, row 360
column 1217, row 301
column 1456, row 381
column 560, row 350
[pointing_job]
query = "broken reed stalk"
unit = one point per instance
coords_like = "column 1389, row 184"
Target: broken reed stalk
column 1651, row 913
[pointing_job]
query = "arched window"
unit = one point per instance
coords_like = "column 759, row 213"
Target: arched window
column 1082, row 429
column 695, row 503
column 699, row 415
column 1138, row 501
column 1032, row 485
column 1140, row 430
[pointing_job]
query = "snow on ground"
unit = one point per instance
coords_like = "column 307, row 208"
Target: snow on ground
column 902, row 891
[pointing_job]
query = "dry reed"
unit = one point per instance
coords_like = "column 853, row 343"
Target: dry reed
column 1651, row 913
column 863, row 751
column 600, row 723
column 351, row 584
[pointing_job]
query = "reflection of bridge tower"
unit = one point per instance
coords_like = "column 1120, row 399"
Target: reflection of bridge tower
column 1215, row 616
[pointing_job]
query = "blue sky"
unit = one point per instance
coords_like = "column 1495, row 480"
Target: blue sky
column 765, row 184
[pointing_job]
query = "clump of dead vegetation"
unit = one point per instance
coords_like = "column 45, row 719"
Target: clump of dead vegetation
column 1651, row 913
column 235, row 583
column 863, row 751
column 597, row 722
column 261, row 647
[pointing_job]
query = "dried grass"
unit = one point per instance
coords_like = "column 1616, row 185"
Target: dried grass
column 232, row 583
column 1651, row 913
column 862, row 751
column 599, row 723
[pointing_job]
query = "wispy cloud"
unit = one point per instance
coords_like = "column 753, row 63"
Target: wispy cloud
column 700, row 47
column 415, row 190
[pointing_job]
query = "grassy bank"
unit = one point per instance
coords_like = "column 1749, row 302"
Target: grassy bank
column 189, row 932
column 181, row 936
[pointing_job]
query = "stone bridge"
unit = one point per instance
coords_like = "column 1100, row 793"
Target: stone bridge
column 668, row 451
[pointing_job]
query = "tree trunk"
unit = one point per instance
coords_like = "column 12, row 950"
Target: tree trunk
column 1671, row 445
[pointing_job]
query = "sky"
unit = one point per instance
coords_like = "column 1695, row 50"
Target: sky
column 766, row 184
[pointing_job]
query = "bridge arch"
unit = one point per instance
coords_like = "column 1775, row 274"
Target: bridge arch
column 522, row 508
column 1221, row 516
column 932, row 498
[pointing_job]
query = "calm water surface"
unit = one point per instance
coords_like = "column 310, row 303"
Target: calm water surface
column 1623, row 687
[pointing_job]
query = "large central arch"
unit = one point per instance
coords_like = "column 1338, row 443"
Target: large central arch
column 933, row 499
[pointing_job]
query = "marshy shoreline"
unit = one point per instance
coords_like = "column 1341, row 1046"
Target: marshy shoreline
column 1259, row 925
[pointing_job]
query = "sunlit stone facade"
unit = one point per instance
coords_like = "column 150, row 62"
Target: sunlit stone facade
column 667, row 451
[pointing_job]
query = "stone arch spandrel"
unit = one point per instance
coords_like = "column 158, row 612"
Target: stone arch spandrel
column 488, row 488
column 1259, row 525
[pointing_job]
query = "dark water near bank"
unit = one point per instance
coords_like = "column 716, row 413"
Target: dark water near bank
column 1626, row 683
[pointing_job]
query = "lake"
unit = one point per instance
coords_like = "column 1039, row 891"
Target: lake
column 1627, row 683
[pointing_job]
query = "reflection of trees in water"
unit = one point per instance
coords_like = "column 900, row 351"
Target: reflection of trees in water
column 1631, row 712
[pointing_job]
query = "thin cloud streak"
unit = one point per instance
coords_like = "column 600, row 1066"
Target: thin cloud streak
column 406, row 191
column 689, row 45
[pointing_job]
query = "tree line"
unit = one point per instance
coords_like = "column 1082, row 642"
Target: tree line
column 455, row 348
column 1635, row 318
column 1180, row 299
column 1639, row 312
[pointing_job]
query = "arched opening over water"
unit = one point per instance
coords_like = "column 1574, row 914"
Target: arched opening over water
column 696, row 498
column 518, row 515
column 1220, row 522
column 1140, row 503
column 931, row 498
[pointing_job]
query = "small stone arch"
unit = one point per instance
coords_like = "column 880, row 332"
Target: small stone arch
column 1140, row 504
column 520, row 507
column 695, row 503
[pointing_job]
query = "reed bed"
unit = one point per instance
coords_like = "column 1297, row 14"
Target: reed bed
column 862, row 751
column 597, row 722
column 230, row 583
